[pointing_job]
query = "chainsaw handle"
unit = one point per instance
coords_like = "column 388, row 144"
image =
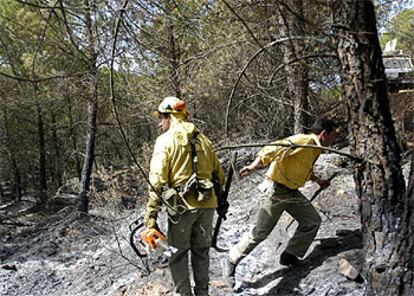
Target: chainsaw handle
column 134, row 227
column 137, row 224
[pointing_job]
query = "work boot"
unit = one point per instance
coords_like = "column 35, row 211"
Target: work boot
column 229, row 270
column 288, row 259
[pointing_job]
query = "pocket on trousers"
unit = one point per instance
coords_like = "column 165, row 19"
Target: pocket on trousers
column 266, row 188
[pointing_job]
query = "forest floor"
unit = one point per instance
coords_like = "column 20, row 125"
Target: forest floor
column 64, row 252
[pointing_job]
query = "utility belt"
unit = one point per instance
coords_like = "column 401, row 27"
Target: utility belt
column 281, row 186
column 269, row 183
column 202, row 190
column 176, row 197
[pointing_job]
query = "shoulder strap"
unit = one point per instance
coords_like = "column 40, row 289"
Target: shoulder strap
column 193, row 141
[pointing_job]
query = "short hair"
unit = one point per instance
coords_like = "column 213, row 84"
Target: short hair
column 163, row 115
column 322, row 124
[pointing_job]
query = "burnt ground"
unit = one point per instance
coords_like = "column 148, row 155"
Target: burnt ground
column 64, row 252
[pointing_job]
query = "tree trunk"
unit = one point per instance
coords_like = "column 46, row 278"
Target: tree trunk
column 291, row 23
column 386, row 213
column 42, row 154
column 57, row 178
column 92, row 111
column 173, row 53
column 1, row 191
column 74, row 137
column 17, row 180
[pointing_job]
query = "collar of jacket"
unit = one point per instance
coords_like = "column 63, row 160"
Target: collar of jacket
column 315, row 138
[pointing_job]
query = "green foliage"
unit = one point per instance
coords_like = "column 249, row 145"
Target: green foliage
column 385, row 10
column 401, row 27
column 198, row 48
column 34, row 48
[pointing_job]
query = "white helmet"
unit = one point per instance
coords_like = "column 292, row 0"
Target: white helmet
column 172, row 105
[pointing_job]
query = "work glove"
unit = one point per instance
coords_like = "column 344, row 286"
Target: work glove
column 150, row 221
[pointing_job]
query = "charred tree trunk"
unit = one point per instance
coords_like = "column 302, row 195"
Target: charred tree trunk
column 74, row 138
column 1, row 191
column 57, row 178
column 386, row 210
column 17, row 180
column 92, row 111
column 292, row 23
column 42, row 154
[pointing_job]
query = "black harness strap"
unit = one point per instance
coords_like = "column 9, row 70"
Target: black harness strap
column 193, row 141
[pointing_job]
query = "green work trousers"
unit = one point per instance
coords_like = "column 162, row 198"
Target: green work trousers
column 192, row 233
column 274, row 200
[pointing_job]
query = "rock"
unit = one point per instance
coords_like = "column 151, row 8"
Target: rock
column 9, row 267
column 346, row 269
column 121, row 290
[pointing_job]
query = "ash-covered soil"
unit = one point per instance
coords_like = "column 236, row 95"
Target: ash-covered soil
column 64, row 252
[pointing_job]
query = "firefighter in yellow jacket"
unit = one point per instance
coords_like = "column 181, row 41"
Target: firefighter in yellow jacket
column 182, row 169
column 289, row 169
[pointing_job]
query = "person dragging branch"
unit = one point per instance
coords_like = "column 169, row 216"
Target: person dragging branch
column 289, row 169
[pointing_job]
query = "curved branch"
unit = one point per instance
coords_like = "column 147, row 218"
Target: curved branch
column 24, row 79
column 114, row 106
column 305, row 57
column 273, row 43
column 68, row 30
column 111, row 75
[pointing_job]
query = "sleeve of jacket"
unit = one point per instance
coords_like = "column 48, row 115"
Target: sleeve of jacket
column 301, row 141
column 159, row 170
column 216, row 166
column 217, row 170
column 268, row 153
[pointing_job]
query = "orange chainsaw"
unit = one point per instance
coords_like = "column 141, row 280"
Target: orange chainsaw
column 150, row 243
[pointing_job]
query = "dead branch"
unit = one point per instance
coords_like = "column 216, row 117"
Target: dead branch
column 293, row 145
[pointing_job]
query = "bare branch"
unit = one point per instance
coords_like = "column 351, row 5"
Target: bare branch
column 42, row 79
column 293, row 145
column 255, row 55
column 36, row 5
column 305, row 57
column 244, row 24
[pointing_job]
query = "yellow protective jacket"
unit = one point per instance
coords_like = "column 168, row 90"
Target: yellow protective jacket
column 171, row 164
column 291, row 166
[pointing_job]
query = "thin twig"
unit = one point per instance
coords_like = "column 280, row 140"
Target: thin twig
column 244, row 24
column 24, row 79
column 115, row 109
